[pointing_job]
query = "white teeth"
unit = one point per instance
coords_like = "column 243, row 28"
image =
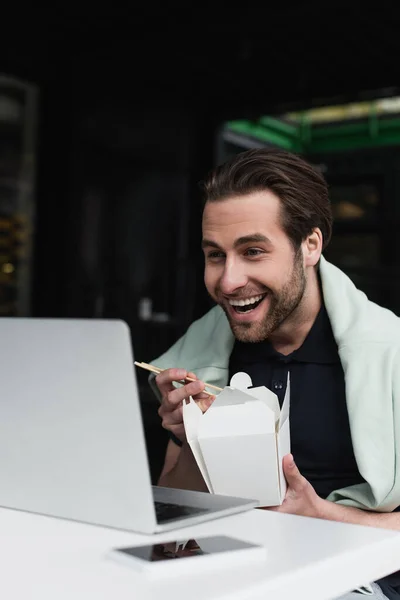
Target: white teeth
column 252, row 300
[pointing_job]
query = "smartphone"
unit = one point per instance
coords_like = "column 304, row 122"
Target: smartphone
column 173, row 558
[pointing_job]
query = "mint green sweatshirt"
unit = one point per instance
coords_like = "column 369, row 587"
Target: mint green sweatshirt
column 368, row 339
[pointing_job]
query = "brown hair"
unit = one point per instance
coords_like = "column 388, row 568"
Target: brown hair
column 300, row 187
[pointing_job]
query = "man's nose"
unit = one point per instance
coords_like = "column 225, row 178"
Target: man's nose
column 233, row 278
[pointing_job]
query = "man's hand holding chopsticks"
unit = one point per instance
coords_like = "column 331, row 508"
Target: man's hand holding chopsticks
column 170, row 410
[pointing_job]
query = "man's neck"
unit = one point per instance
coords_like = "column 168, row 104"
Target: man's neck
column 291, row 334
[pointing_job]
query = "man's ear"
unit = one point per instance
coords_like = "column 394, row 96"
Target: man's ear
column 312, row 248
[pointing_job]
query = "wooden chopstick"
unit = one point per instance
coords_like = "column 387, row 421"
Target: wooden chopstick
column 157, row 370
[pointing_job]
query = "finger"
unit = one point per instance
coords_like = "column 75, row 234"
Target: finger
column 203, row 400
column 294, row 478
column 174, row 424
column 171, row 417
column 202, row 396
column 178, row 431
column 204, row 403
column 165, row 379
column 177, row 395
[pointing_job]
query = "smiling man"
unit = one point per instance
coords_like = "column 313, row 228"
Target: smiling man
column 259, row 281
column 280, row 308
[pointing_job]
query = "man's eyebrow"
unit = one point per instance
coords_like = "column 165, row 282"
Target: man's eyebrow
column 209, row 244
column 253, row 238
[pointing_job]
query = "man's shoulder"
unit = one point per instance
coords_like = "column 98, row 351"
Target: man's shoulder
column 209, row 333
column 355, row 319
column 379, row 326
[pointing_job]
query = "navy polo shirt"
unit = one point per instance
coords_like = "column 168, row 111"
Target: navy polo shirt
column 319, row 424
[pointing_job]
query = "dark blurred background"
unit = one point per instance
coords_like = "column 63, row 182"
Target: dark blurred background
column 109, row 121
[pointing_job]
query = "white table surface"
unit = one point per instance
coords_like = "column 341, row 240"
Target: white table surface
column 54, row 559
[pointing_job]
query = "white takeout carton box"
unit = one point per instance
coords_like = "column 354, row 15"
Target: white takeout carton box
column 240, row 441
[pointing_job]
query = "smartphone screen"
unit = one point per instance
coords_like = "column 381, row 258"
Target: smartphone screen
column 185, row 549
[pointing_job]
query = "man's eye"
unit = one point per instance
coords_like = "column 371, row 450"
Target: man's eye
column 253, row 252
column 215, row 254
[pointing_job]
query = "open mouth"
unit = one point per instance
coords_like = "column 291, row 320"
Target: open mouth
column 247, row 305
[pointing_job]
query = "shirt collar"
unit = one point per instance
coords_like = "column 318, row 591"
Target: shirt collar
column 320, row 345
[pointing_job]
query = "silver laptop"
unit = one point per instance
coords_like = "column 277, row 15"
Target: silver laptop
column 71, row 437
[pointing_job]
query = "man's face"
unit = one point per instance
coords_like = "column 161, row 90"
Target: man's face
column 251, row 269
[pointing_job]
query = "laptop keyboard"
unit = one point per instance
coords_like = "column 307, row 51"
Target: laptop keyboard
column 169, row 512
